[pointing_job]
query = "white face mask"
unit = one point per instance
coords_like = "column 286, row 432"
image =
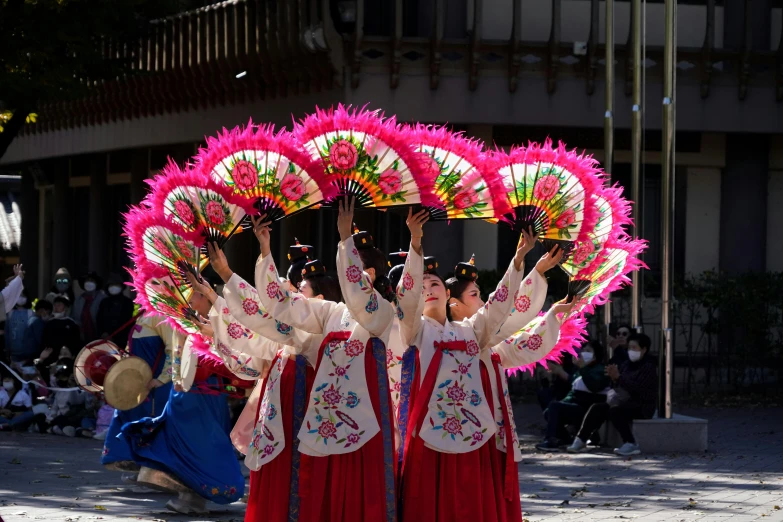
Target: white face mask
column 634, row 356
column 587, row 357
column 90, row 286
column 21, row 301
column 58, row 315
column 115, row 290
column 8, row 385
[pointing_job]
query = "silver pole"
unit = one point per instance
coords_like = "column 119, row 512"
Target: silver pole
column 609, row 129
column 667, row 203
column 636, row 151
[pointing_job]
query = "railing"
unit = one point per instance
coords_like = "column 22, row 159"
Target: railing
column 222, row 54
column 477, row 55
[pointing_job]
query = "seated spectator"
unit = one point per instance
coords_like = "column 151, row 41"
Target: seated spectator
column 69, row 408
column 33, row 334
column 589, row 385
column 15, row 326
column 61, row 331
column 560, row 384
column 114, row 312
column 16, row 405
column 633, row 396
column 619, row 345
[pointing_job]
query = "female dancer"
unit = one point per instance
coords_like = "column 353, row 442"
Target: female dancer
column 190, row 439
column 447, row 469
column 267, row 434
column 347, row 434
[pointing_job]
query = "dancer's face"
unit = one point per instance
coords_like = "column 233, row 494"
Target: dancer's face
column 435, row 294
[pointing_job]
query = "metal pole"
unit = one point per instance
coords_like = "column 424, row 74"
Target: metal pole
column 609, row 129
column 667, row 204
column 636, row 150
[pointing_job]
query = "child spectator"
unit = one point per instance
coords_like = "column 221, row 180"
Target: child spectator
column 70, row 407
column 16, row 405
column 58, row 333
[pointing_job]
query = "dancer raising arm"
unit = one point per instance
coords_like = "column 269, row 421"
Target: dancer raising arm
column 347, row 435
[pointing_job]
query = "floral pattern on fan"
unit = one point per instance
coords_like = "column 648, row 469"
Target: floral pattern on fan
column 462, row 183
column 366, row 157
column 268, row 169
column 158, row 293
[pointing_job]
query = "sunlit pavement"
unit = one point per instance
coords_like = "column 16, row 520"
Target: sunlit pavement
column 45, row 477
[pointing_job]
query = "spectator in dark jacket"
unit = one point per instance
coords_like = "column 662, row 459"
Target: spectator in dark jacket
column 33, row 335
column 61, row 338
column 633, row 396
column 618, row 345
column 589, row 385
column 114, row 311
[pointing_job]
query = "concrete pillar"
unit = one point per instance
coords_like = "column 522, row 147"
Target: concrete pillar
column 98, row 216
column 140, row 171
column 743, row 230
column 29, row 254
column 61, row 206
column 702, row 219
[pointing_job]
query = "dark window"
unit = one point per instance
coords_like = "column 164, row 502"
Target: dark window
column 117, row 199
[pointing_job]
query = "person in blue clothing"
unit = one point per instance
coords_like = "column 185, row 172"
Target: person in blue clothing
column 33, row 335
column 189, row 442
column 15, row 325
column 150, row 339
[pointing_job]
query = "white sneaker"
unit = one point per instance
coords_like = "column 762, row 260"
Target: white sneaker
column 628, row 449
column 69, row 431
column 101, row 435
column 57, row 430
column 578, row 446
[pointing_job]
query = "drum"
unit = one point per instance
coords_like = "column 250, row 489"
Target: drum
column 189, row 365
column 93, row 363
column 125, row 386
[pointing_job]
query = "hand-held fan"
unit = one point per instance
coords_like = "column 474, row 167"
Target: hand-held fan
column 366, row 157
column 609, row 273
column 549, row 191
column 196, row 203
column 159, row 293
column 268, row 169
column 457, row 165
column 613, row 213
column 154, row 240
column 572, row 334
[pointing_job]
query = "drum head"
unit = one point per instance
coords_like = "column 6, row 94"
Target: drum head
column 189, row 365
column 125, row 385
column 93, row 363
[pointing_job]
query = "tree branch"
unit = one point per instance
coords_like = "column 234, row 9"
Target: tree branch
column 12, row 128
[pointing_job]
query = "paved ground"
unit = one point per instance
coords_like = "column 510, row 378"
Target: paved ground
column 741, row 478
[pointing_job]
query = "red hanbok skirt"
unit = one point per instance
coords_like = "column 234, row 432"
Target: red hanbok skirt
column 270, row 493
column 457, row 487
column 357, row 486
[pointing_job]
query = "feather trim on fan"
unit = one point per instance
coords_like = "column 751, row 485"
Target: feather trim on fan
column 572, row 334
column 613, row 215
column 203, row 347
column 367, row 157
column 612, row 273
column 197, row 203
column 270, row 170
column 549, row 189
column 160, row 294
column 465, row 187
column 152, row 239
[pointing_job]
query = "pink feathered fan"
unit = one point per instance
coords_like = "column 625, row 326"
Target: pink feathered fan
column 268, row 169
column 465, row 187
column 366, row 157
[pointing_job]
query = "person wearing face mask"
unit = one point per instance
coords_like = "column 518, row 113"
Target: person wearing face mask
column 633, row 396
column 15, row 326
column 114, row 312
column 62, row 286
column 16, row 405
column 589, row 385
column 85, row 310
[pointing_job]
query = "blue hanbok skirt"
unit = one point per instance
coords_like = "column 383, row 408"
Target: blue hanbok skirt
column 190, row 440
